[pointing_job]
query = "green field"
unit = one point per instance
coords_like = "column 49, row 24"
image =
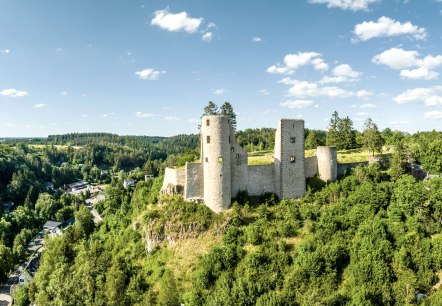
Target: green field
column 344, row 156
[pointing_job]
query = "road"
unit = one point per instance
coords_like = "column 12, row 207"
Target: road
column 90, row 204
column 36, row 247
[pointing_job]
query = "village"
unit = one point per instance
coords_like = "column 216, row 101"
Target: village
column 26, row 270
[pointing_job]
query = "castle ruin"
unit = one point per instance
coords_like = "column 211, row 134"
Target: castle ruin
column 223, row 169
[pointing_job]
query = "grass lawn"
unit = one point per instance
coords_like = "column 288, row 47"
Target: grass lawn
column 357, row 155
column 344, row 156
column 260, row 160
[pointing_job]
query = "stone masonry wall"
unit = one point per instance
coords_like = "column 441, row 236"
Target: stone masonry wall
column 261, row 179
column 239, row 165
column 277, row 160
column 173, row 177
column 194, row 188
column 291, row 158
column 327, row 163
column 311, row 166
column 215, row 132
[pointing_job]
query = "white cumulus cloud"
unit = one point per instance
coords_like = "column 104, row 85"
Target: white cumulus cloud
column 304, row 89
column 40, row 105
column 420, row 73
column 385, row 27
column 368, row 105
column 396, row 58
column 292, row 62
column 426, row 95
column 5, row 51
column 207, row 37
column 256, row 39
column 433, row 115
column 171, row 118
column 218, row 91
column 176, row 22
column 341, row 74
column 144, row 115
column 264, row 92
column 13, row 93
column 410, row 63
column 149, row 74
column 296, row 103
column 365, row 94
column 353, row 5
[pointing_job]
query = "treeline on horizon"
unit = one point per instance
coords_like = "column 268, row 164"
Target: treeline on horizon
column 421, row 147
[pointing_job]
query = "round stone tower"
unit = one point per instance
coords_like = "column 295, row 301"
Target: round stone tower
column 215, row 138
column 327, row 163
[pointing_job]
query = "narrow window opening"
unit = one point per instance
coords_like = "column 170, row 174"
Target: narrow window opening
column 292, row 159
column 293, row 125
column 229, row 138
column 207, row 159
column 292, row 139
column 232, row 149
column 208, row 139
column 207, row 122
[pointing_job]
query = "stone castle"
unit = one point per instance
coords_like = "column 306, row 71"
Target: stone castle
column 223, row 169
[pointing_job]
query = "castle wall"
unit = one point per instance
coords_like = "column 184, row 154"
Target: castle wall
column 194, row 187
column 239, row 166
column 327, row 163
column 277, row 160
column 311, row 166
column 261, row 179
column 172, row 178
column 224, row 170
column 215, row 132
column 289, row 159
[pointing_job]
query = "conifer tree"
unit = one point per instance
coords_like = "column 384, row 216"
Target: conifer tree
column 227, row 110
column 211, row 109
column 312, row 140
column 371, row 137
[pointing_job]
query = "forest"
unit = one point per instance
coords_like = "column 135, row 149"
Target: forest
column 371, row 238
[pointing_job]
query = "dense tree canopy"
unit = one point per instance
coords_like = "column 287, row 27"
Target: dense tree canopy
column 374, row 237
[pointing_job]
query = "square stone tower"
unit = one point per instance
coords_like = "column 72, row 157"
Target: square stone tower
column 289, row 159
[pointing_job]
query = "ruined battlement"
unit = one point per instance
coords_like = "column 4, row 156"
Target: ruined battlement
column 224, row 170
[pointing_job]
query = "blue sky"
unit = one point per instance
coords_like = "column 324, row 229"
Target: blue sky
column 149, row 67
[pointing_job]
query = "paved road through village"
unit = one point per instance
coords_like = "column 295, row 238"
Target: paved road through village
column 35, row 247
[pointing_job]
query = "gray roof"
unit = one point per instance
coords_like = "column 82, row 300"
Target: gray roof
column 51, row 224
